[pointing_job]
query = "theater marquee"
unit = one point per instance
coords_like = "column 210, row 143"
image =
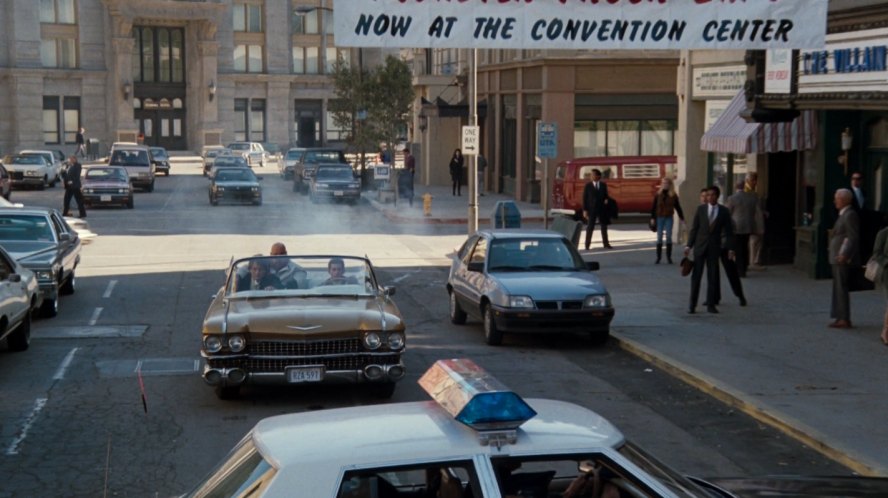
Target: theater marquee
column 581, row 24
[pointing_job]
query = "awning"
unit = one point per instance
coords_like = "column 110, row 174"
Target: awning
column 731, row 134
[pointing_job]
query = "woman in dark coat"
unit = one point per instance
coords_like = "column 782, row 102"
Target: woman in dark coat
column 456, row 167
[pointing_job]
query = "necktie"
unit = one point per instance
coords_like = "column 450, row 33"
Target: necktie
column 596, row 185
column 711, row 214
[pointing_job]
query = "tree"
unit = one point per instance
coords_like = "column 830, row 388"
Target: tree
column 391, row 99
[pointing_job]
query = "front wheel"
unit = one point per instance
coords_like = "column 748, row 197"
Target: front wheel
column 21, row 338
column 69, row 286
column 492, row 335
column 150, row 187
column 129, row 203
column 50, row 308
column 457, row 315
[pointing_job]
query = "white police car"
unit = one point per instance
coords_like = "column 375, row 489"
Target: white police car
column 476, row 440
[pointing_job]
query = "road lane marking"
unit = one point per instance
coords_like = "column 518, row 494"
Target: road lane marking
column 13, row 448
column 60, row 373
column 95, row 316
column 110, row 288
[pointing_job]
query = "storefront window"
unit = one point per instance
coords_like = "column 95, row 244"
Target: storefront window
column 657, row 138
column 624, row 138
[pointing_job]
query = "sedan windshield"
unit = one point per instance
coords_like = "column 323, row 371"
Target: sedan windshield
column 35, row 160
column 229, row 161
column 331, row 156
column 302, row 276
column 159, row 153
column 239, row 146
column 106, row 174
column 25, row 227
column 235, row 175
column 532, row 254
column 335, row 174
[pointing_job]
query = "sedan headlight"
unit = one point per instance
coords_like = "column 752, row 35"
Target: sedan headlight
column 321, row 185
column 87, row 191
column 524, row 302
column 237, row 343
column 220, row 189
column 597, row 301
column 395, row 340
column 255, row 189
column 123, row 191
column 213, row 344
column 372, row 340
column 32, row 172
column 44, row 274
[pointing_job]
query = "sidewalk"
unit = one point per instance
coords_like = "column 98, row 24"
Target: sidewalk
column 775, row 359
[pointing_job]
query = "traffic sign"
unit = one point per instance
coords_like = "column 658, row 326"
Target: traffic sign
column 547, row 139
column 471, row 136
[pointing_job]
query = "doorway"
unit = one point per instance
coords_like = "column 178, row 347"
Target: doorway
column 779, row 244
column 162, row 126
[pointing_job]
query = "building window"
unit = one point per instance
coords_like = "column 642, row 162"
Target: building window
column 446, row 61
column 240, row 119
column 158, row 55
column 334, row 134
column 249, row 120
column 247, row 17
column 60, row 122
column 624, row 138
column 58, row 53
column 335, row 54
column 306, row 23
column 248, row 58
column 58, row 12
column 257, row 120
column 305, row 60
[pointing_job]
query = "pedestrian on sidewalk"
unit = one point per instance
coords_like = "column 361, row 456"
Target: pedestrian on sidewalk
column 880, row 254
column 81, row 143
column 843, row 255
column 730, row 265
column 410, row 171
column 72, row 187
column 595, row 207
column 745, row 212
column 663, row 217
column 456, row 168
column 482, row 167
column 757, row 236
column 712, row 224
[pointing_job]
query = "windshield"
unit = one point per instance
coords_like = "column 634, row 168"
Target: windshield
column 532, row 254
column 130, row 158
column 328, row 156
column 159, row 153
column 38, row 160
column 229, row 161
column 241, row 471
column 335, row 174
column 213, row 152
column 302, row 276
column 294, row 154
column 25, row 227
column 235, row 175
column 106, row 174
column 239, row 146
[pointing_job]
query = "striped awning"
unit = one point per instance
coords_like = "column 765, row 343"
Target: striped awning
column 731, row 134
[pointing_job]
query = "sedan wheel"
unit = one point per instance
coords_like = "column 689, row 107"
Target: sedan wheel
column 457, row 315
column 492, row 335
column 50, row 308
column 69, row 286
column 21, row 338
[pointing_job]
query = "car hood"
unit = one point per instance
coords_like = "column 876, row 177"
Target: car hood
column 237, row 184
column 104, row 184
column 30, row 253
column 336, row 181
column 550, row 284
column 811, row 487
column 287, row 316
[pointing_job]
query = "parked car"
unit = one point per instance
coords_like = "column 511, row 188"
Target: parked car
column 5, row 183
column 335, row 182
column 139, row 164
column 253, row 152
column 235, row 185
column 272, row 152
column 107, row 185
column 632, row 181
column 289, row 161
column 527, row 281
column 208, row 153
column 303, row 169
column 19, row 296
column 161, row 160
column 29, row 171
column 55, row 158
column 311, row 325
column 43, row 242
column 224, row 161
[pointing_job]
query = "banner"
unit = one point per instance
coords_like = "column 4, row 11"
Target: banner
column 581, row 24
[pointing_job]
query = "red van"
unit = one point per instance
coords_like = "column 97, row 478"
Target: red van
column 631, row 180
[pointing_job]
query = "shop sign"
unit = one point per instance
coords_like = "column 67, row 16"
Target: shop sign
column 851, row 62
column 581, row 24
column 714, row 110
column 724, row 81
column 778, row 71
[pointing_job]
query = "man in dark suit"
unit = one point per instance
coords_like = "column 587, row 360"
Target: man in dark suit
column 595, row 207
column 72, row 187
column 259, row 278
column 712, row 223
column 843, row 255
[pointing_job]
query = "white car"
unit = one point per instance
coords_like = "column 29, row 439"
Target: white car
column 19, row 296
column 56, row 160
column 253, row 152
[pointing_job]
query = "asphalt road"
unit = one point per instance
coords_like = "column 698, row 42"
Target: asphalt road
column 72, row 420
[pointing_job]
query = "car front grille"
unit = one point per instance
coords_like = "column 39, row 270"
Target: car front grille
column 559, row 305
column 16, row 175
column 305, row 348
column 105, row 191
column 357, row 362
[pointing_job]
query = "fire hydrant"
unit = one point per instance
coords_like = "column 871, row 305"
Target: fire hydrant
column 427, row 204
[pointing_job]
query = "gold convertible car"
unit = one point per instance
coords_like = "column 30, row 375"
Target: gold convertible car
column 302, row 319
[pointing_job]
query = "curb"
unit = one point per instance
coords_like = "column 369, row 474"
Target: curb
column 757, row 410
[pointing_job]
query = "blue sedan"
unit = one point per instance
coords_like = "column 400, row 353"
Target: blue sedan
column 527, row 281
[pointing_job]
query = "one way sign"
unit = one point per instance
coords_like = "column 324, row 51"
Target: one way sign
column 470, row 139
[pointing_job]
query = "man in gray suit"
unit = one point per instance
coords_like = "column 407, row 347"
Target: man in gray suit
column 745, row 213
column 843, row 255
column 712, row 223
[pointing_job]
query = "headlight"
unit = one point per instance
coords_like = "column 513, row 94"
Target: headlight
column 321, row 185
column 123, row 191
column 237, row 343
column 220, row 189
column 87, row 191
column 212, row 344
column 32, row 172
column 521, row 302
column 395, row 341
column 44, row 275
column 598, row 301
column 372, row 340
column 255, row 189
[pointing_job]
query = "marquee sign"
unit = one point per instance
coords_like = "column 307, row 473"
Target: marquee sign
column 581, row 24
column 850, row 62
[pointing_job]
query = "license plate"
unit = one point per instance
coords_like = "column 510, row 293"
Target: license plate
column 105, row 198
column 305, row 374
column 338, row 193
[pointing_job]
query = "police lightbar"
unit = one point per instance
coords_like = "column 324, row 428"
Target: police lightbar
column 474, row 397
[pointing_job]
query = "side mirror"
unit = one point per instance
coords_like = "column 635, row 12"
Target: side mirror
column 593, row 265
column 64, row 237
column 259, row 178
column 389, row 291
column 476, row 266
column 15, row 277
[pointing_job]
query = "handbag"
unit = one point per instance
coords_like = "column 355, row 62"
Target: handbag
column 686, row 266
column 652, row 224
column 871, row 269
